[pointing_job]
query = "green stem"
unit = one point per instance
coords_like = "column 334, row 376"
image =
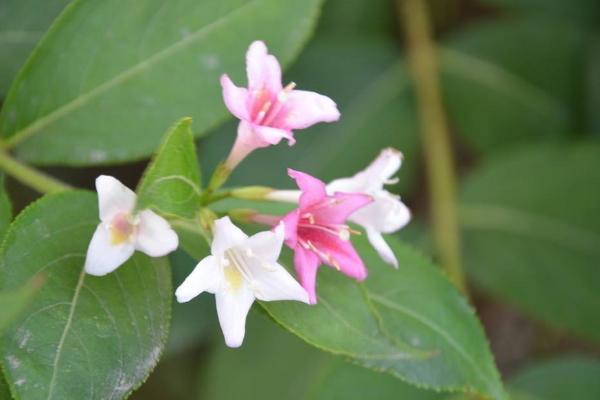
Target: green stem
column 434, row 129
column 29, row 176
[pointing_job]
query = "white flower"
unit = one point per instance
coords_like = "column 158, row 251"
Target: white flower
column 240, row 270
column 122, row 231
column 387, row 213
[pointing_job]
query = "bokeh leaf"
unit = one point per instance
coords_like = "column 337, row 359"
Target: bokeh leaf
column 560, row 378
column 343, row 380
column 22, row 24
column 272, row 364
column 171, row 183
column 531, row 224
column 593, row 87
column 122, row 72
column 582, row 11
column 414, row 304
column 495, row 90
column 80, row 336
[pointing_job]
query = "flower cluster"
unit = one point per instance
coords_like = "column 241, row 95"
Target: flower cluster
column 242, row 268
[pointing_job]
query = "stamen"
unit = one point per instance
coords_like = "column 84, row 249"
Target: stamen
column 333, row 262
column 325, row 256
column 310, row 217
column 263, row 111
column 278, row 106
column 344, row 234
column 282, row 96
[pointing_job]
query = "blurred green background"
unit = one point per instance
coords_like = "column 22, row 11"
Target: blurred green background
column 521, row 88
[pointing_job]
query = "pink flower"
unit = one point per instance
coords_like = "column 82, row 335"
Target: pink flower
column 317, row 232
column 268, row 112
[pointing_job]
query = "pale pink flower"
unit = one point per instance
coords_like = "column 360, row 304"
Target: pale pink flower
column 240, row 270
column 317, row 232
column 387, row 213
column 123, row 229
column 268, row 112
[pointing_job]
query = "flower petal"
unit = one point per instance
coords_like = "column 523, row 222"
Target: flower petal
column 384, row 166
column 347, row 185
column 386, row 214
column 226, row 236
column 306, row 264
column 235, row 98
column 381, row 246
column 154, row 235
column 372, row 178
column 267, row 245
column 206, row 277
column 306, row 108
column 343, row 205
column 272, row 135
column 232, row 309
column 340, row 254
column 263, row 69
column 104, row 257
column 113, row 197
column 313, row 190
column 290, row 222
column 272, row 283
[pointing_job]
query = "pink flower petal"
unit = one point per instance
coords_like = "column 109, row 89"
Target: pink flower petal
column 235, row 98
column 343, row 205
column 290, row 224
column 308, row 108
column 342, row 253
column 271, row 135
column 313, row 190
column 262, row 68
column 307, row 263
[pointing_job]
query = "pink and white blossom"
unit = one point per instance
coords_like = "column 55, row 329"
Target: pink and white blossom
column 318, row 234
column 387, row 213
column 122, row 230
column 269, row 112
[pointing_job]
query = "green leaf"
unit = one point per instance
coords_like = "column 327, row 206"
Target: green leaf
column 272, row 364
column 171, row 183
column 22, row 24
column 121, row 72
column 4, row 389
column 593, row 87
column 531, row 224
column 497, row 91
column 5, row 208
column 81, row 336
column 351, row 382
column 561, row 378
column 14, row 301
column 586, row 11
column 369, row 323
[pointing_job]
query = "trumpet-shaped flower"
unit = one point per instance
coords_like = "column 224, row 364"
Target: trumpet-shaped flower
column 387, row 213
column 317, row 231
column 268, row 112
column 240, row 270
column 122, row 230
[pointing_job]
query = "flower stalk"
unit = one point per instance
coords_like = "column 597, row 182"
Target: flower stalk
column 29, row 176
column 439, row 159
